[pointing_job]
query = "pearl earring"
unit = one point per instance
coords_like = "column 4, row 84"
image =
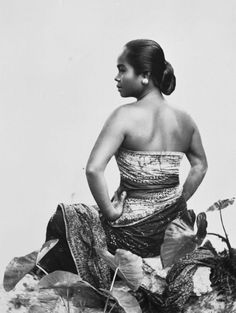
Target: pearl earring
column 144, row 81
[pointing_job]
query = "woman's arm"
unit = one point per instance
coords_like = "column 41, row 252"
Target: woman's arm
column 198, row 161
column 108, row 142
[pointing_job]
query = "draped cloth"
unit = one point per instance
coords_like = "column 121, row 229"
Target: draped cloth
column 153, row 201
column 80, row 230
column 145, row 237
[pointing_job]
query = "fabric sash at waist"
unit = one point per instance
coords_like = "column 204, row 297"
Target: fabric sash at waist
column 144, row 190
column 145, row 237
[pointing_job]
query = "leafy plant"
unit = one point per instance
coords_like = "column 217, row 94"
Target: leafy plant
column 70, row 286
column 127, row 265
column 125, row 300
column 180, row 237
column 224, row 270
column 18, row 267
column 219, row 206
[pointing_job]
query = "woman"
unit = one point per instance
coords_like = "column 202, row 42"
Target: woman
column 148, row 138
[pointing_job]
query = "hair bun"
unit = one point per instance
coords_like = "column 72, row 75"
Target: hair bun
column 168, row 81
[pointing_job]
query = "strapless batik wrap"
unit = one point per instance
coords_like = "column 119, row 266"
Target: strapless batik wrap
column 151, row 181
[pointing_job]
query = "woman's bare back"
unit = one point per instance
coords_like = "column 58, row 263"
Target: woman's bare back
column 158, row 128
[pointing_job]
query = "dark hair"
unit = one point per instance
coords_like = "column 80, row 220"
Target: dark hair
column 146, row 55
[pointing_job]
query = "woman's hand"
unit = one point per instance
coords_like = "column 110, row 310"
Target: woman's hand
column 118, row 201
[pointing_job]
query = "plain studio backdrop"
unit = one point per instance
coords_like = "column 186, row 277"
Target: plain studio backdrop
column 57, row 69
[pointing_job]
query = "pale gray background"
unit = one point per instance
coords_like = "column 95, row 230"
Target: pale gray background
column 57, row 64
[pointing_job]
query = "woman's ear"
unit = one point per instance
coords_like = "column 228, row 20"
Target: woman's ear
column 145, row 78
column 146, row 75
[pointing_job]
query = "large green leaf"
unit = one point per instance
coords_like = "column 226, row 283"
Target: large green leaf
column 70, row 285
column 221, row 204
column 125, row 300
column 181, row 239
column 17, row 269
column 129, row 266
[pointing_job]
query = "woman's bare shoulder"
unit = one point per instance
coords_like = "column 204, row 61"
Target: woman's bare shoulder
column 120, row 116
column 183, row 115
column 124, row 108
column 123, row 111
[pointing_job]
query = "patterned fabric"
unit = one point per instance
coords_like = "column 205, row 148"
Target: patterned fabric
column 145, row 237
column 84, row 233
column 79, row 231
column 180, row 277
column 151, row 180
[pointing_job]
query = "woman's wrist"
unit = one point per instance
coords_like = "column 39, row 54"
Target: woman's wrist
column 110, row 213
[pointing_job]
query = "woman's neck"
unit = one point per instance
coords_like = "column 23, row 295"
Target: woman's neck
column 152, row 95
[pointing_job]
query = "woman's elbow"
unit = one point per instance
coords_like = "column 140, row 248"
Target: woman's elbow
column 92, row 170
column 200, row 168
column 204, row 168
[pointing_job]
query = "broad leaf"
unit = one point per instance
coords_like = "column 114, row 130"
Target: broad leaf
column 46, row 247
column 129, row 266
column 221, row 204
column 86, row 295
column 71, row 286
column 201, row 227
column 125, row 300
column 59, row 279
column 17, row 269
column 20, row 266
column 180, row 239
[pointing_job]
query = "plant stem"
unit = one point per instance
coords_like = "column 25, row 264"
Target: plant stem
column 221, row 237
column 112, row 307
column 114, row 277
column 106, row 304
column 112, row 284
column 226, row 236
